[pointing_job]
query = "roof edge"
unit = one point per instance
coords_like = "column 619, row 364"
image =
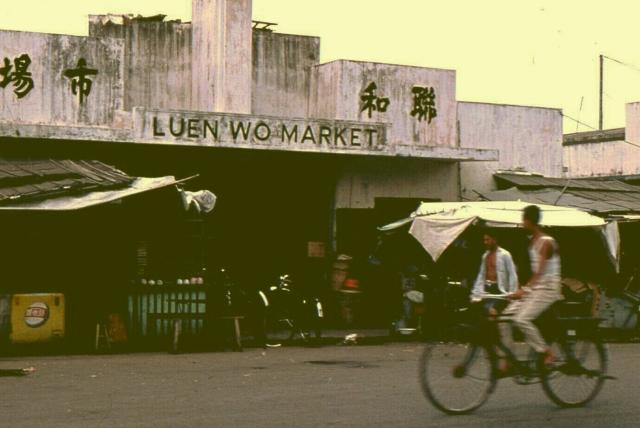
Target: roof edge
column 598, row 136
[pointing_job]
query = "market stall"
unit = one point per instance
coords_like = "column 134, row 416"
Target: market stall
column 71, row 234
column 451, row 235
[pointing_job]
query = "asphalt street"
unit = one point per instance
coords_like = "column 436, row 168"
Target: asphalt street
column 348, row 386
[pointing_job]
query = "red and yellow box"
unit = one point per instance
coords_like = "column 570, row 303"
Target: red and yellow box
column 37, row 317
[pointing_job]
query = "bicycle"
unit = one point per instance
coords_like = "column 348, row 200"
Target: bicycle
column 460, row 371
column 289, row 312
column 631, row 293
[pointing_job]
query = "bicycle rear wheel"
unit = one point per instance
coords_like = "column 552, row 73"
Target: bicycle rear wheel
column 577, row 375
column 456, row 376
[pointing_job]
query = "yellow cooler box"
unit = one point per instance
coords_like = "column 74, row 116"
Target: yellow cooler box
column 37, row 318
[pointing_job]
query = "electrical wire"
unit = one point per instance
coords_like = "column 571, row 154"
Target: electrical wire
column 626, row 64
column 579, row 122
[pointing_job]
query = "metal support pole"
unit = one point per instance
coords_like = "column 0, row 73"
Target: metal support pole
column 600, row 121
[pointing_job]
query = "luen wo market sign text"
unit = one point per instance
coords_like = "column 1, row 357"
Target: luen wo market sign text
column 227, row 130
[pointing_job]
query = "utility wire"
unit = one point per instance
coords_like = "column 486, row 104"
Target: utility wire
column 579, row 112
column 626, row 64
column 578, row 121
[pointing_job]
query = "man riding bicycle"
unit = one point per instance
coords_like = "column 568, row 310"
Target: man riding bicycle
column 497, row 274
column 460, row 369
column 542, row 290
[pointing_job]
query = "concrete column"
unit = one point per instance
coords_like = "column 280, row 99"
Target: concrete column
column 632, row 131
column 221, row 51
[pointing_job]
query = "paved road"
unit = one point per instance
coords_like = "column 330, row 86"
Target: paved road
column 358, row 386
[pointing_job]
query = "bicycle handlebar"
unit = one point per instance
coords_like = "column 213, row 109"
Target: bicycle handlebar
column 485, row 296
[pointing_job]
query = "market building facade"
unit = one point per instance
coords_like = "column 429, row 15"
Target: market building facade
column 306, row 158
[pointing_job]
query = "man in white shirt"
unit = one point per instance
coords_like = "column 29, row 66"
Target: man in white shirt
column 542, row 290
column 497, row 273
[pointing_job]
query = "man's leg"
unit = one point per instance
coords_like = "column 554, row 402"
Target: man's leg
column 505, row 329
column 534, row 305
column 506, row 332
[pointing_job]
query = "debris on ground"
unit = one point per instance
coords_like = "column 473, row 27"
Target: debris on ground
column 350, row 339
column 16, row 372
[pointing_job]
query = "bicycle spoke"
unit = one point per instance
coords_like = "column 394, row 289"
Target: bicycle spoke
column 576, row 375
column 478, row 379
column 456, row 377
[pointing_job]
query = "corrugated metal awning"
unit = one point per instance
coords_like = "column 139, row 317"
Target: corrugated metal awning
column 605, row 197
column 600, row 202
column 76, row 202
column 64, row 185
column 537, row 181
column 28, row 180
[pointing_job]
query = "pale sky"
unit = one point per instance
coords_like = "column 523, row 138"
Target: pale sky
column 530, row 52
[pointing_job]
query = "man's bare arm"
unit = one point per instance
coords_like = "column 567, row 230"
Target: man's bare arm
column 546, row 251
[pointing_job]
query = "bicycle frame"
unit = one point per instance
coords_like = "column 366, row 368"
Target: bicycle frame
column 529, row 368
column 581, row 354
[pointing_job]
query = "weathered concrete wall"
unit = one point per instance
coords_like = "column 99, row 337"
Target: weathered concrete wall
column 632, row 131
column 222, row 38
column 282, row 66
column 158, row 65
column 157, row 60
column 601, row 159
column 51, row 100
column 326, row 84
column 528, row 138
column 606, row 158
column 363, row 180
column 338, row 86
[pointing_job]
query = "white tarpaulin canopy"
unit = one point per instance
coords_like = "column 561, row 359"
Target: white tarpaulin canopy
column 508, row 213
column 437, row 225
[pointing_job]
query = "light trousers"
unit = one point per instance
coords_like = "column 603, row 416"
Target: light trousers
column 524, row 311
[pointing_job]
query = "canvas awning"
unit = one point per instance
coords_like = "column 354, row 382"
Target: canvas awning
column 507, row 213
column 437, row 225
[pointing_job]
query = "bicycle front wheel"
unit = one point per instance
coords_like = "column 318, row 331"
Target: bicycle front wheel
column 456, row 377
column 577, row 375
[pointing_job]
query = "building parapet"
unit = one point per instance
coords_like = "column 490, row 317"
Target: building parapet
column 600, row 136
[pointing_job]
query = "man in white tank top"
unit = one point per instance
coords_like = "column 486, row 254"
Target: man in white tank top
column 542, row 290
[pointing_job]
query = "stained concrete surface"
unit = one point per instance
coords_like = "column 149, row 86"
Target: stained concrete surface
column 348, row 386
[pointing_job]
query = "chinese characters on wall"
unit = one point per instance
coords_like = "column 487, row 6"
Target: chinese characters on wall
column 80, row 84
column 17, row 73
column 372, row 102
column 424, row 102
